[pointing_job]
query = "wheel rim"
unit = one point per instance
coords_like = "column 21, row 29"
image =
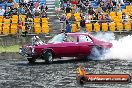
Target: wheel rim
column 50, row 58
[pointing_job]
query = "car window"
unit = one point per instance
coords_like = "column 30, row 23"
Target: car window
column 71, row 39
column 58, row 38
column 83, row 38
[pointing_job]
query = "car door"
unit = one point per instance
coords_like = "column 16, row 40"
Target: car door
column 70, row 46
column 85, row 44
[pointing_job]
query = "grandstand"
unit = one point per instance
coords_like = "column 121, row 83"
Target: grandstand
column 40, row 25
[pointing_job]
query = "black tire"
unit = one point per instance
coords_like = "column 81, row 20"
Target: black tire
column 31, row 60
column 48, row 57
column 96, row 52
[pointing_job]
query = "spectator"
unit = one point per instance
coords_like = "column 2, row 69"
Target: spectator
column 22, row 10
column 72, row 19
column 88, row 18
column 68, row 27
column 82, row 25
column 62, row 21
column 57, row 6
column 101, row 4
column 124, row 18
column 14, row 11
column 119, row 2
column 118, row 8
column 29, row 13
column 2, row 11
column 26, row 1
column 7, row 13
column 68, row 9
column 30, row 5
column 37, row 13
column 99, row 10
column 22, row 3
column 37, row 4
column 101, row 19
column 35, row 8
column 91, row 11
column 74, row 2
column 76, row 9
column 44, row 8
column 109, row 5
column 108, row 18
column 43, row 14
column 20, row 24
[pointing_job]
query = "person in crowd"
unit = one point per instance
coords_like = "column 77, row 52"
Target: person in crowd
column 43, row 14
column 20, row 24
column 62, row 21
column 94, row 18
column 118, row 8
column 124, row 18
column 74, row 2
column 14, row 11
column 107, row 18
column 91, row 11
column 99, row 10
column 87, row 18
column 77, row 9
column 72, row 19
column 68, row 9
column 119, row 2
column 29, row 13
column 101, row 19
column 22, row 3
column 109, row 5
column 7, row 13
column 82, row 25
column 37, row 13
column 2, row 11
column 37, row 4
column 57, row 6
column 26, row 1
column 44, row 8
column 36, row 8
column 22, row 10
column 30, row 5
column 68, row 27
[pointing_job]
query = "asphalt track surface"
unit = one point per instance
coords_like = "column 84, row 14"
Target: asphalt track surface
column 18, row 73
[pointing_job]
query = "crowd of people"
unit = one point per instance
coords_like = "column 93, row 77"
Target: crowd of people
column 91, row 13
column 24, row 7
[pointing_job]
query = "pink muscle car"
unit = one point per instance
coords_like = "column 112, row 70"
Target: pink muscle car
column 63, row 45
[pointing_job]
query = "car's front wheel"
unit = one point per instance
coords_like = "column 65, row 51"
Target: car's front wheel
column 31, row 60
column 48, row 57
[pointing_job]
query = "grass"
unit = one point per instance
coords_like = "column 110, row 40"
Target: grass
column 14, row 48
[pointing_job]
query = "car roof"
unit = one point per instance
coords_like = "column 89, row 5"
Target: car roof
column 77, row 33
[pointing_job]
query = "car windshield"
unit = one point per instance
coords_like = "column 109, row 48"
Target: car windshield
column 58, row 38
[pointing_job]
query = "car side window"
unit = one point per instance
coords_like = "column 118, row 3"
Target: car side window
column 83, row 38
column 71, row 39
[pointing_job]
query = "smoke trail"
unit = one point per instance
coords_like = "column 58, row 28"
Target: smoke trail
column 122, row 48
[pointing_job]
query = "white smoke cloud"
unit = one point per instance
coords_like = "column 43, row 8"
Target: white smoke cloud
column 122, row 48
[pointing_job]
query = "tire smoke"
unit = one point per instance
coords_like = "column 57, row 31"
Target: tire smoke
column 122, row 48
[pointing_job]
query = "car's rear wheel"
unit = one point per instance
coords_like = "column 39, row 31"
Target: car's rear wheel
column 48, row 57
column 31, row 60
column 96, row 52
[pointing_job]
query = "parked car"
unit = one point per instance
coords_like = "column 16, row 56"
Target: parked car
column 63, row 45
